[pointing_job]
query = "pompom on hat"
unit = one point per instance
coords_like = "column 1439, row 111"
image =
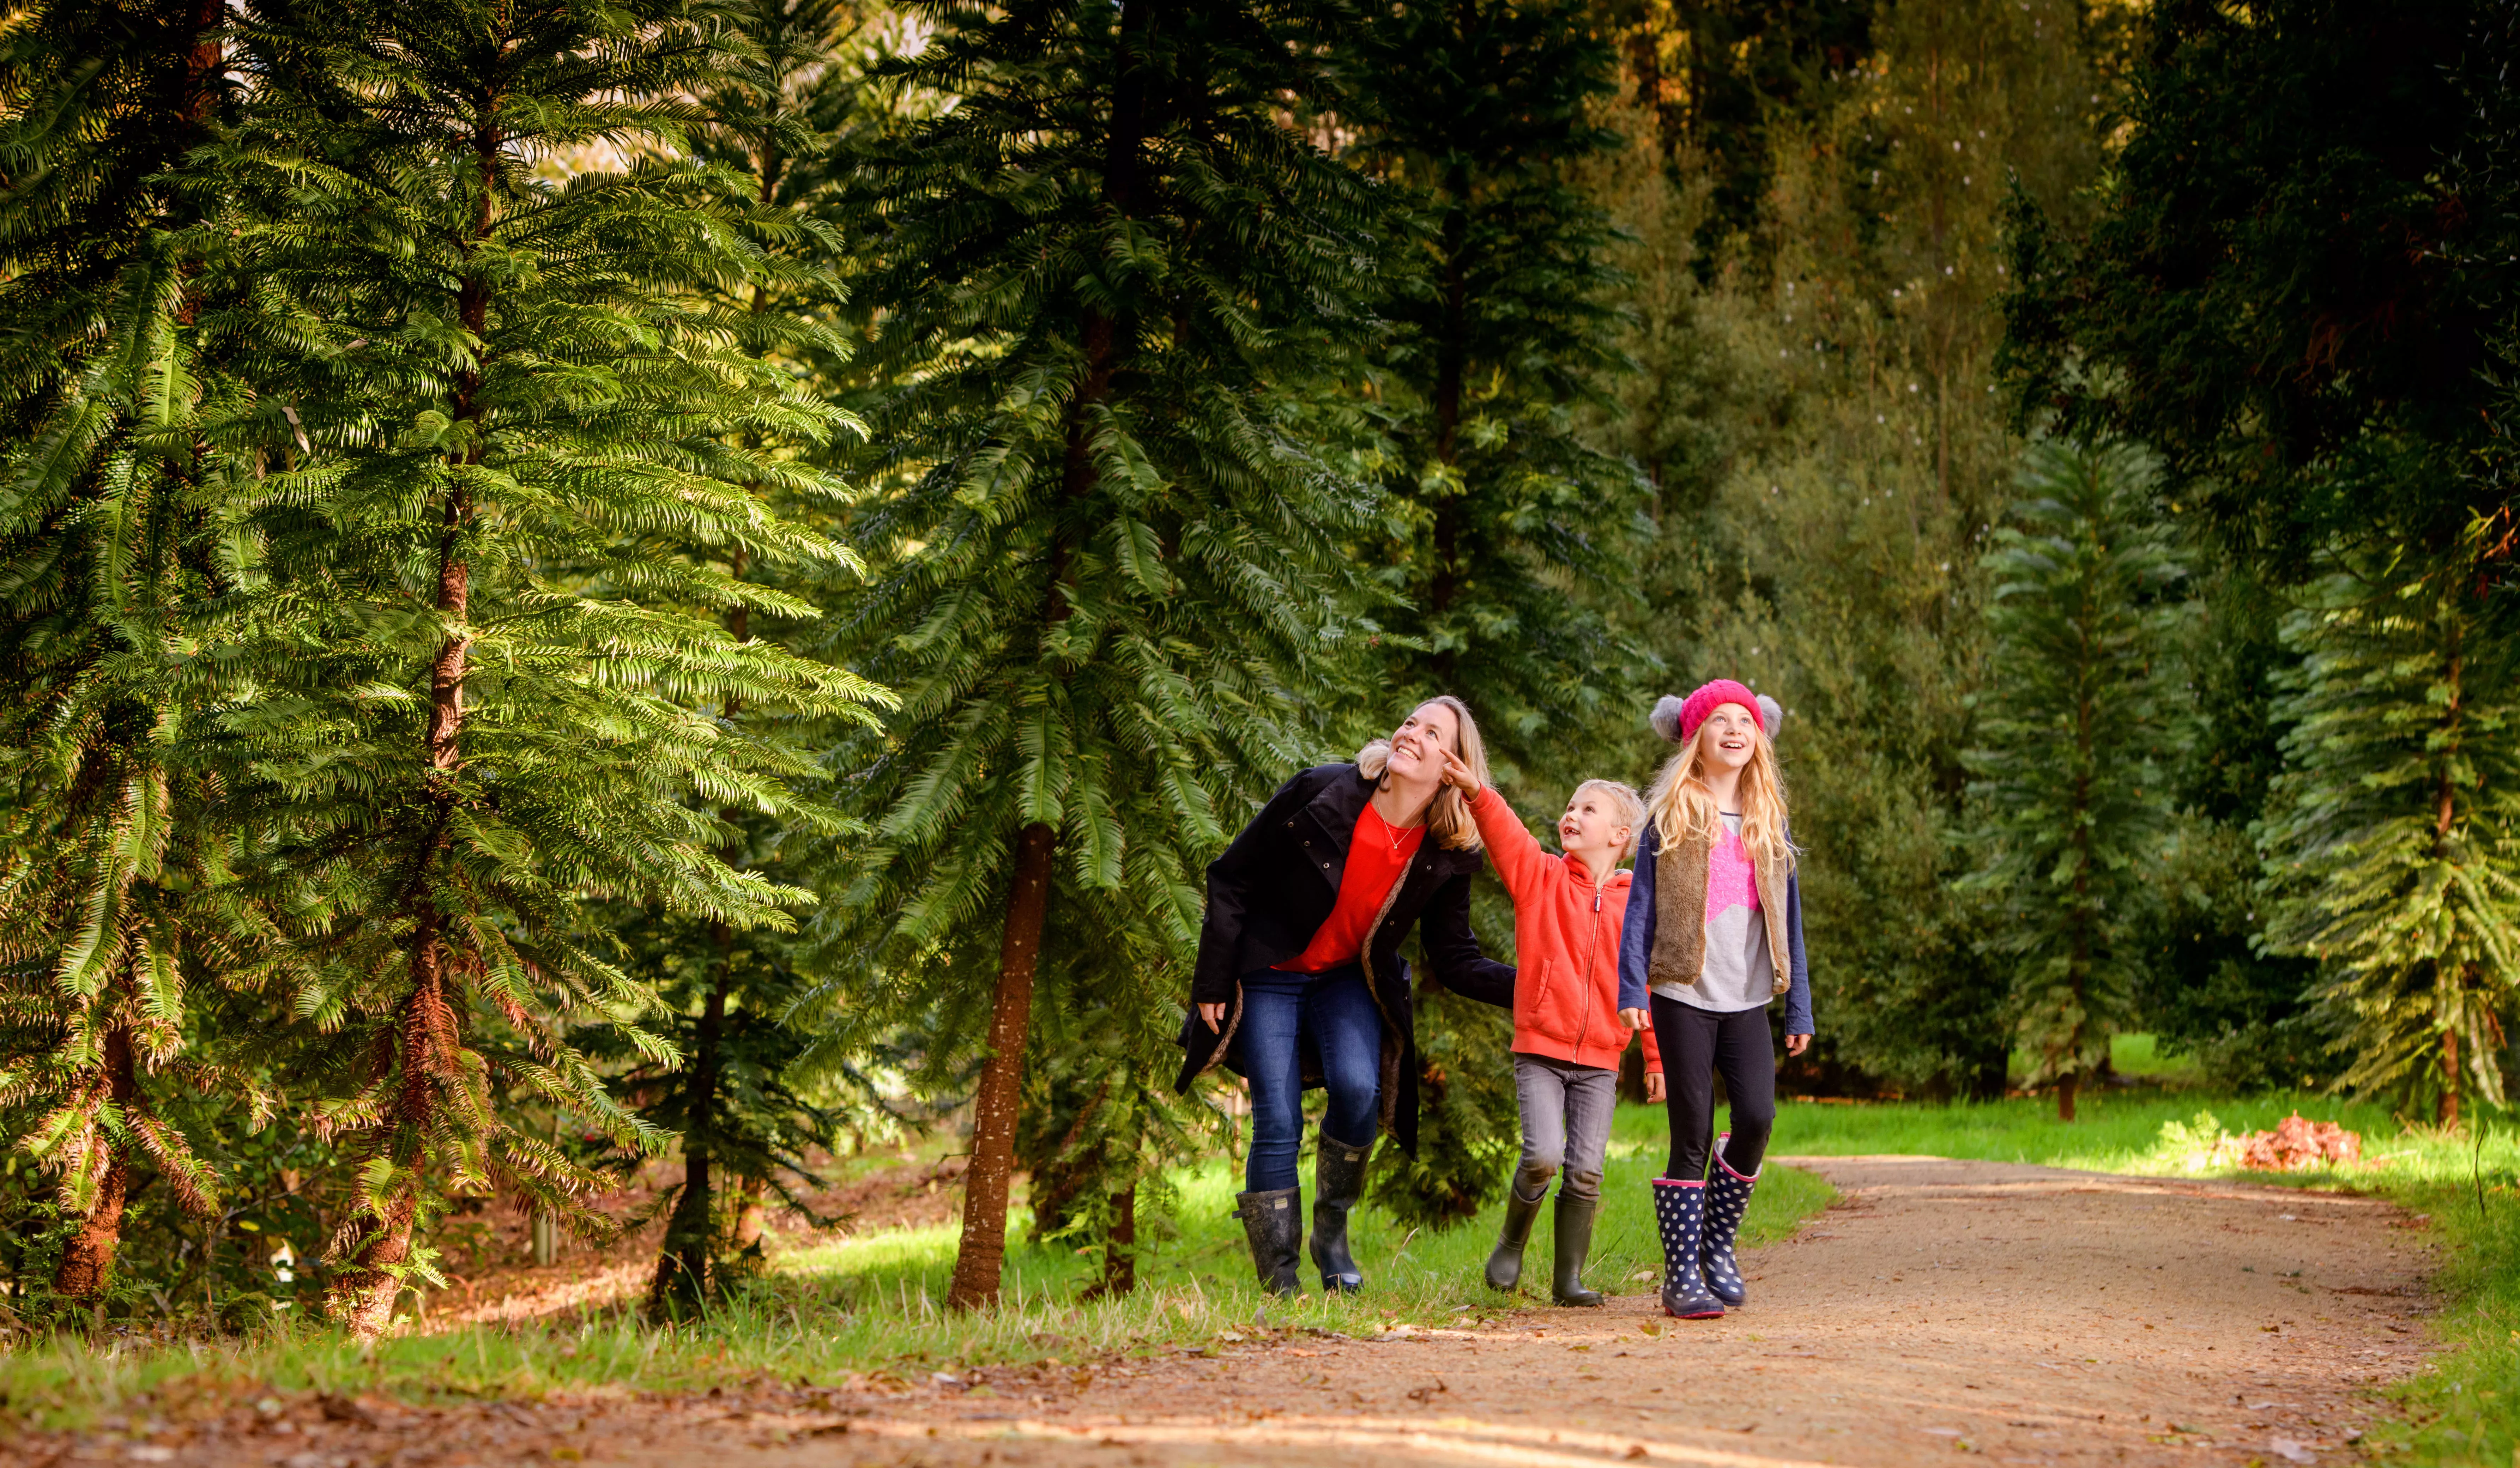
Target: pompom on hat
column 1677, row 719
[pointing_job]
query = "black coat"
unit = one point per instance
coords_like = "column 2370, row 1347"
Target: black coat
column 1274, row 887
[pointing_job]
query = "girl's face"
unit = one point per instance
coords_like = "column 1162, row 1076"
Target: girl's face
column 1592, row 824
column 1729, row 738
column 1418, row 744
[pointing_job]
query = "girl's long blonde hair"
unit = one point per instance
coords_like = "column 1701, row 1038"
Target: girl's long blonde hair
column 1447, row 819
column 1684, row 807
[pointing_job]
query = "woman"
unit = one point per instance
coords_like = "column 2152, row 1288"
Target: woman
column 1299, row 976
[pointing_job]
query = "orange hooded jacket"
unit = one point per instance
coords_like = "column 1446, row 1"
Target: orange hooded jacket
column 1565, row 946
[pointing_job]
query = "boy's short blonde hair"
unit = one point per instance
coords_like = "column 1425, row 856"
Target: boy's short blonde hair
column 1622, row 799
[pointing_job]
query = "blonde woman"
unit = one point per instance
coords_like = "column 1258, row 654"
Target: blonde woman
column 1714, row 933
column 1300, row 981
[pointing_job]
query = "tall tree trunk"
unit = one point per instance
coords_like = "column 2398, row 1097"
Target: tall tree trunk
column 686, row 1268
column 981, row 1257
column 2448, row 1115
column 2065, row 1088
column 363, row 1297
column 88, row 1266
column 1120, row 1246
column 2445, row 820
column 686, row 1263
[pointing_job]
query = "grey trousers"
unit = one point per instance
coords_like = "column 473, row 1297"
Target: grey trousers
column 1566, row 1122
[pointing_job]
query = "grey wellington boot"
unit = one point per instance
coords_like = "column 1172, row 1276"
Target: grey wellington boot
column 1338, row 1184
column 1274, row 1222
column 1573, row 1230
column 1521, row 1208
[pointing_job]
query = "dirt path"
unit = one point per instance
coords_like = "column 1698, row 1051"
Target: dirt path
column 2028, row 1314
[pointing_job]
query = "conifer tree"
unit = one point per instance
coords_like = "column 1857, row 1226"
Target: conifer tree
column 1502, row 325
column 2072, row 728
column 535, row 442
column 1505, row 538
column 774, row 114
column 107, row 541
column 2388, row 836
column 1102, row 568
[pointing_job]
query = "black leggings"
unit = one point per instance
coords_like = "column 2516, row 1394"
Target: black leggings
column 1695, row 1042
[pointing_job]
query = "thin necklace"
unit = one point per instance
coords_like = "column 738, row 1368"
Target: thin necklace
column 1391, row 833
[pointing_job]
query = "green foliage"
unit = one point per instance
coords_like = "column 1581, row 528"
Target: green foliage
column 2389, row 837
column 1506, row 540
column 2072, row 738
column 2299, row 314
column 2210, row 987
column 1507, row 535
column 528, row 440
column 1104, row 568
column 1815, row 410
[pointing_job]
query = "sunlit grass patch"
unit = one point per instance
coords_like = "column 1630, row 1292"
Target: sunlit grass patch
column 828, row 1309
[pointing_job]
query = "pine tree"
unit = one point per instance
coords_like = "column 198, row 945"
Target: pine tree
column 775, row 118
column 1102, row 568
column 2388, row 835
column 1507, row 538
column 2073, row 724
column 534, row 445
column 1508, row 532
column 108, row 554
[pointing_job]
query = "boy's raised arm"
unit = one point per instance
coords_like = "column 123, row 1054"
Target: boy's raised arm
column 1519, row 859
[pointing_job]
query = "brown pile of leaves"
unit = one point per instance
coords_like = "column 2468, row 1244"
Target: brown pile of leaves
column 2294, row 1144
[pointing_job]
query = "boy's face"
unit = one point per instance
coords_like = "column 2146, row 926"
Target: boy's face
column 1592, row 824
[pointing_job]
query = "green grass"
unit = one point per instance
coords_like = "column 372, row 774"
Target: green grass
column 824, row 1310
column 827, row 1310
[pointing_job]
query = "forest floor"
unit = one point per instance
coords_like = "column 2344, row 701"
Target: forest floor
column 2032, row 1314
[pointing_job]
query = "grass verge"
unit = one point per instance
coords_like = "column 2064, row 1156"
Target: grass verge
column 867, row 1307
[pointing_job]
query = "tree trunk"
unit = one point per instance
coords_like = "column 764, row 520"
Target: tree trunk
column 2065, row 1087
column 2448, row 1115
column 1120, row 1247
column 983, row 1250
column 686, row 1268
column 362, row 1298
column 751, row 1213
column 87, row 1265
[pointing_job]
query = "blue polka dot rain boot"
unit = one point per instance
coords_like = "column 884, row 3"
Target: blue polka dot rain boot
column 1680, row 1208
column 1727, row 1194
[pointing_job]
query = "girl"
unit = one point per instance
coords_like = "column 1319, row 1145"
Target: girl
column 1567, row 1036
column 1715, row 931
column 1300, row 982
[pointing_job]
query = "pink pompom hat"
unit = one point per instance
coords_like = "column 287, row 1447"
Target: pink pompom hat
column 1677, row 719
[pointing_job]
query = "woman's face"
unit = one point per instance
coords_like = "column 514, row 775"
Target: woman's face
column 1729, row 737
column 1418, row 743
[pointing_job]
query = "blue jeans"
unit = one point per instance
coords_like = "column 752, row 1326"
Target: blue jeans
column 1285, row 1015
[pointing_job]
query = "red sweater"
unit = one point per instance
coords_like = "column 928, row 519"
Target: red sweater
column 1565, row 946
column 1376, row 856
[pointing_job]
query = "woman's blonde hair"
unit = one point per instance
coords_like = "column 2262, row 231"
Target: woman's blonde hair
column 1684, row 807
column 1626, row 801
column 1447, row 819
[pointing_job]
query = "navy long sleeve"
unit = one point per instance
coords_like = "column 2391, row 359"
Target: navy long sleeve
column 1636, row 934
column 1798, row 1004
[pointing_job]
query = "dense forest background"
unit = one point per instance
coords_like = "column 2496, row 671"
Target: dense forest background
column 580, row 582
